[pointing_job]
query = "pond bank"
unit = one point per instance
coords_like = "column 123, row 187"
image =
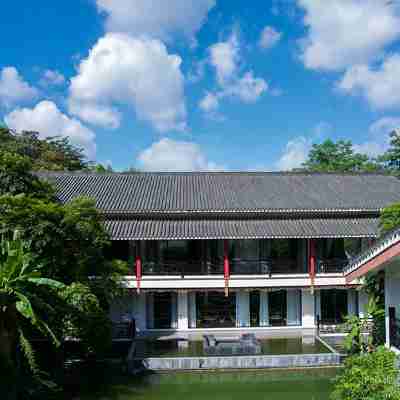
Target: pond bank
column 313, row 383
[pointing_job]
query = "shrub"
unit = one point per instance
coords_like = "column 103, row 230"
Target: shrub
column 368, row 376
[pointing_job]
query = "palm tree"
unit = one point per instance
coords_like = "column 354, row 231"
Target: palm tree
column 25, row 296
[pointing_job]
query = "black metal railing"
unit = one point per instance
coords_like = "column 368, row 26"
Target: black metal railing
column 216, row 267
column 331, row 265
column 182, row 268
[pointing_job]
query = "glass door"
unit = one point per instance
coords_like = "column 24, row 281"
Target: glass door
column 277, row 308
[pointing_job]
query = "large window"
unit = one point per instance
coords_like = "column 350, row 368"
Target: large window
column 214, row 310
column 333, row 306
column 163, row 309
column 277, row 308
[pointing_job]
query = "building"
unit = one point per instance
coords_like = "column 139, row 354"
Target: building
column 383, row 259
column 251, row 251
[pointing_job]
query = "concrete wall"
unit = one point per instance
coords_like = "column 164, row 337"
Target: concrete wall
column 308, row 308
column 241, row 362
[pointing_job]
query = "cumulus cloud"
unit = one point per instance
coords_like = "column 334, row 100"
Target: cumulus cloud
column 48, row 120
column 52, row 78
column 157, row 18
column 224, row 57
column 379, row 139
column 122, row 70
column 173, row 155
column 342, row 33
column 380, row 86
column 295, row 153
column 14, row 89
column 269, row 37
column 226, row 60
column 210, row 102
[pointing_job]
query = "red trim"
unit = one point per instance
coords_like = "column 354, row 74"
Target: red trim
column 138, row 267
column 312, row 261
column 226, row 266
column 374, row 263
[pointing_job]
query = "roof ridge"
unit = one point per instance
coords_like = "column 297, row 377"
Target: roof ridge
column 177, row 173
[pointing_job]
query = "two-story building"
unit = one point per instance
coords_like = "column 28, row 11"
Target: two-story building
column 236, row 250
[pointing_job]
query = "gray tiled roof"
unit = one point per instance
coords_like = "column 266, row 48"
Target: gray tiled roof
column 161, row 229
column 229, row 192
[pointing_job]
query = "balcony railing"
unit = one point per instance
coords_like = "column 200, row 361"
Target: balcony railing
column 237, row 267
column 182, row 268
column 331, row 265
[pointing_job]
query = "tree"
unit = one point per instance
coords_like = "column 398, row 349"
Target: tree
column 337, row 156
column 355, row 341
column 49, row 154
column 25, row 298
column 368, row 376
column 391, row 158
column 390, row 218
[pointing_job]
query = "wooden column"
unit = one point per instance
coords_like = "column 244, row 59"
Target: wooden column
column 226, row 267
column 312, row 261
column 138, row 267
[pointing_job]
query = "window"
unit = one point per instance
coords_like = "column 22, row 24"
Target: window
column 284, row 248
column 333, row 306
column 214, row 310
column 277, row 308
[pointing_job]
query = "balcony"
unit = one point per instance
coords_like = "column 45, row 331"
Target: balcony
column 331, row 265
column 237, row 266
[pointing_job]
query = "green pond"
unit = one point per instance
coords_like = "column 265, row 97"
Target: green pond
column 307, row 384
column 169, row 348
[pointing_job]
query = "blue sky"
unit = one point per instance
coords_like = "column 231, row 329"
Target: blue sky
column 202, row 84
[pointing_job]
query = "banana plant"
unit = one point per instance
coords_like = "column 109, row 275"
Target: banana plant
column 25, row 299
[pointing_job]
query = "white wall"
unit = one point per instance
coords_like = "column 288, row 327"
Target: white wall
column 308, row 308
column 242, row 309
column 183, row 310
column 264, row 312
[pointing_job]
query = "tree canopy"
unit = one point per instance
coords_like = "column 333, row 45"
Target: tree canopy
column 50, row 154
column 67, row 242
column 339, row 156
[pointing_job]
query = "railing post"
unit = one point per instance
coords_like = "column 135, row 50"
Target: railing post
column 138, row 267
column 226, row 267
column 311, row 262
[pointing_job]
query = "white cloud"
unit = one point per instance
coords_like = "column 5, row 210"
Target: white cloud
column 123, row 70
column 172, row 155
column 342, row 33
column 247, row 88
column 48, row 120
column 52, row 78
column 379, row 138
column 380, row 86
column 156, row 18
column 295, row 153
column 225, row 58
column 210, row 102
column 269, row 37
column 13, row 88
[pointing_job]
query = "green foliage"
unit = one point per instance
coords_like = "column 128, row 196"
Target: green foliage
column 337, row 156
column 368, row 376
column 390, row 218
column 355, row 341
column 86, row 320
column 392, row 156
column 69, row 241
column 50, row 154
column 25, row 302
column 15, row 177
